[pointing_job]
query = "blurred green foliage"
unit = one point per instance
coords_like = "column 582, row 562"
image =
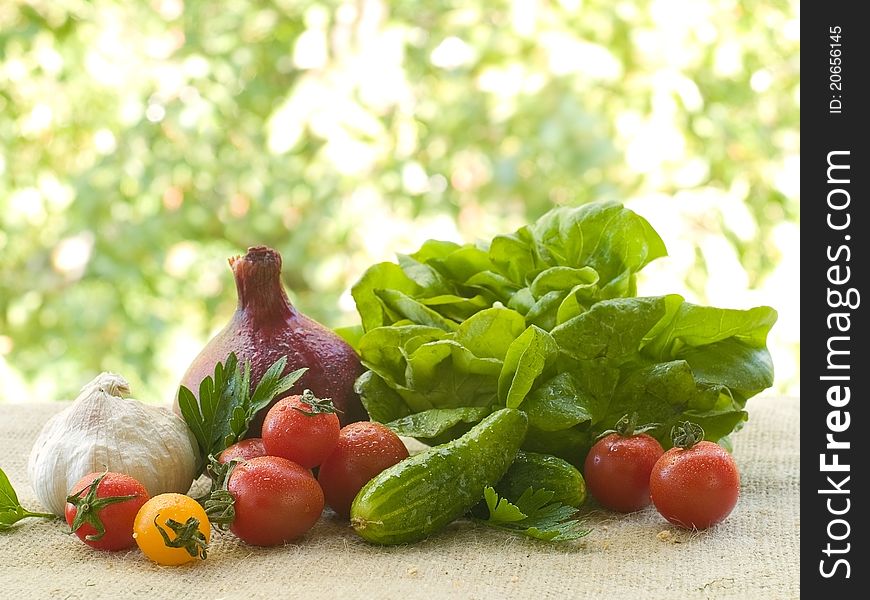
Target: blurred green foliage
column 142, row 143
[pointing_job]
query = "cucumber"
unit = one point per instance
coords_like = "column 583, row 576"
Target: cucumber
column 542, row 471
column 422, row 494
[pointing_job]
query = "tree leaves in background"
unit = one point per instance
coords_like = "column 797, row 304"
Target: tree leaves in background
column 141, row 146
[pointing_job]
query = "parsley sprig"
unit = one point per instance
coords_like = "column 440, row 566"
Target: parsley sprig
column 226, row 405
column 11, row 510
column 534, row 515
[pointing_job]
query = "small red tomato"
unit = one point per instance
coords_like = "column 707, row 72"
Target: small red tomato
column 303, row 429
column 243, row 450
column 364, row 449
column 276, row 500
column 695, row 486
column 101, row 509
column 617, row 468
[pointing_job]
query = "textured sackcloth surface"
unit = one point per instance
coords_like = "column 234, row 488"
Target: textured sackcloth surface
column 753, row 554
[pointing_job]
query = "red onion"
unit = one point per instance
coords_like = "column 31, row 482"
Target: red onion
column 266, row 327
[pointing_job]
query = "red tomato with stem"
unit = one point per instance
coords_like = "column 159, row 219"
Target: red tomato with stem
column 102, row 507
column 276, row 500
column 303, row 429
column 695, row 484
column 364, row 449
column 618, row 466
column 243, row 450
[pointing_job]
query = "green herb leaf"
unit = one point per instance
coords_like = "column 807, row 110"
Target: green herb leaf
column 534, row 515
column 226, row 406
column 8, row 497
column 500, row 509
column 270, row 386
column 209, row 418
column 11, row 510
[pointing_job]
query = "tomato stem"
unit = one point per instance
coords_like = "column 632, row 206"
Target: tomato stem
column 219, row 504
column 627, row 426
column 89, row 506
column 187, row 536
column 318, row 405
column 686, row 434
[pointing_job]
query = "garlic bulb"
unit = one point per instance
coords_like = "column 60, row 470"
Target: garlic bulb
column 104, row 429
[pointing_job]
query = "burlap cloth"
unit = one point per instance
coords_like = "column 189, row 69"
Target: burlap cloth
column 753, row 554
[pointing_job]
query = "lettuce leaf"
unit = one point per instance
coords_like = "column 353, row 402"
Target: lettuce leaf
column 546, row 319
column 433, row 423
column 526, row 359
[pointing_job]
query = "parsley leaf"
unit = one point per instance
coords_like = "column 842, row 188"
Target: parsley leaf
column 11, row 510
column 534, row 515
column 226, row 405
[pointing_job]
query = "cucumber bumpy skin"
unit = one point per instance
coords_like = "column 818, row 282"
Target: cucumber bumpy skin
column 422, row 494
column 543, row 472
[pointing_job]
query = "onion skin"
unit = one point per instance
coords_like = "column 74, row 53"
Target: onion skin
column 265, row 327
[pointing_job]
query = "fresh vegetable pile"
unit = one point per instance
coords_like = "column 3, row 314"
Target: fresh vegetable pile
column 517, row 361
column 547, row 320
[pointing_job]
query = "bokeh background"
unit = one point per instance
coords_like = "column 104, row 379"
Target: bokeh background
column 143, row 143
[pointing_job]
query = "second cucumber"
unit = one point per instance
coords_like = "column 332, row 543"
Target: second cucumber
column 422, row 494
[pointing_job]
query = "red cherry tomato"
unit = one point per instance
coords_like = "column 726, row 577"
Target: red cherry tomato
column 695, row 487
column 364, row 449
column 106, row 520
column 617, row 468
column 243, row 450
column 276, row 500
column 303, row 429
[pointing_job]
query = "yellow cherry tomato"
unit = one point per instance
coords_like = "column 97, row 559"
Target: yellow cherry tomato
column 172, row 529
